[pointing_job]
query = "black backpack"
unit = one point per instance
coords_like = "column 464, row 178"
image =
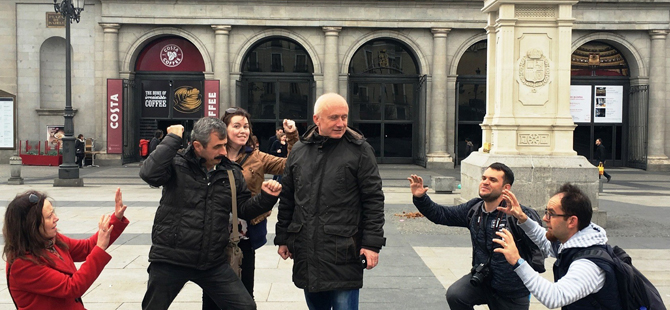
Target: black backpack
column 528, row 250
column 635, row 290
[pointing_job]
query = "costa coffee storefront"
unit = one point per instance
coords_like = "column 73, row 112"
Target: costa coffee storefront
column 168, row 87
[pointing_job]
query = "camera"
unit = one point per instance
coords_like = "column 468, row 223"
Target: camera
column 364, row 261
column 479, row 274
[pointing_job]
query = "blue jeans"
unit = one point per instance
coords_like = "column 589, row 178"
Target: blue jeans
column 336, row 300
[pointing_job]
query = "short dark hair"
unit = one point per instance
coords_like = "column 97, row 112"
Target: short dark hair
column 80, row 136
column 598, row 139
column 508, row 175
column 158, row 134
column 280, row 128
column 203, row 128
column 575, row 202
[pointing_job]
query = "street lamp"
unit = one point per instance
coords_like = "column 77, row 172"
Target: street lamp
column 68, row 171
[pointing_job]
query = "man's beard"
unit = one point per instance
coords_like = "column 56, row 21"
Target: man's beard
column 489, row 197
column 550, row 236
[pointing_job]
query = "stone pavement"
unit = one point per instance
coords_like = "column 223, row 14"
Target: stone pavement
column 419, row 262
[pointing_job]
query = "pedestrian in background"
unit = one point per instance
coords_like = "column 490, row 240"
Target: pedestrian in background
column 255, row 164
column 79, row 150
column 274, row 138
column 331, row 210
column 41, row 273
column 279, row 149
column 600, row 157
column 158, row 135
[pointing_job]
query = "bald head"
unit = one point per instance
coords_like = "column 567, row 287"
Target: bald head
column 331, row 112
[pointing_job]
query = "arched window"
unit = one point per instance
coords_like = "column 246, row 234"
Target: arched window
column 383, row 57
column 598, row 59
column 279, row 55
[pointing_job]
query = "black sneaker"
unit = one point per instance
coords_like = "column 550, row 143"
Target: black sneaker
column 608, row 179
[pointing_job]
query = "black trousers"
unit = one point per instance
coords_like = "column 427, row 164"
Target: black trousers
column 80, row 159
column 248, row 267
column 462, row 295
column 220, row 283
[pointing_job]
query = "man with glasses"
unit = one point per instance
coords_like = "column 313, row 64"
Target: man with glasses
column 492, row 280
column 579, row 282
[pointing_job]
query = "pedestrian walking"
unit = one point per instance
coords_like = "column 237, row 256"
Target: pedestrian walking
column 600, row 157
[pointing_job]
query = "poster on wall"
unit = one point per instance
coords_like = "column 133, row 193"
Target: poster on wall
column 187, row 100
column 114, row 116
column 608, row 104
column 55, row 134
column 580, row 103
column 155, row 96
column 7, row 123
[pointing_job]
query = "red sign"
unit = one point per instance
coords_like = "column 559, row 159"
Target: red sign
column 114, row 116
column 212, row 98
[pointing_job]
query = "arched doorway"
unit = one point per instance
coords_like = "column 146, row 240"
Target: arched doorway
column 470, row 99
column 168, row 89
column 277, row 83
column 384, row 98
column 600, row 90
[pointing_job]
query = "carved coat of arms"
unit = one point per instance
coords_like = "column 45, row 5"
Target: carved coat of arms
column 534, row 69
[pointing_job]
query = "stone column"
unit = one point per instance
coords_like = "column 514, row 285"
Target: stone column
column 222, row 66
column 330, row 63
column 437, row 154
column 528, row 125
column 657, row 160
column 111, row 69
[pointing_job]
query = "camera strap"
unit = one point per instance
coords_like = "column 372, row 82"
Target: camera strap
column 478, row 226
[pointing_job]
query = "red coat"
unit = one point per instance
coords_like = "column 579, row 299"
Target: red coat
column 60, row 287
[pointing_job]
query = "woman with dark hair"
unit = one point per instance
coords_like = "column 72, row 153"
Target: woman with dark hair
column 40, row 261
column 255, row 164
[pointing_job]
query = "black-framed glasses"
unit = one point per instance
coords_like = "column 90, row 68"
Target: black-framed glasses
column 33, row 198
column 550, row 214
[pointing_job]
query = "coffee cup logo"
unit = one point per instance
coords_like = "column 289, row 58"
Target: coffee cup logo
column 187, row 99
column 171, row 55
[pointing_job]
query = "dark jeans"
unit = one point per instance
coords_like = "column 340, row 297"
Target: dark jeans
column 336, row 300
column 248, row 267
column 462, row 295
column 80, row 160
column 220, row 283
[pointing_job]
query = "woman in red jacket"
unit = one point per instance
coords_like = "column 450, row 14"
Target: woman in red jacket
column 40, row 261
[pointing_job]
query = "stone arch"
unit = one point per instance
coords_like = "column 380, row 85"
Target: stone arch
column 413, row 46
column 636, row 64
column 134, row 50
column 461, row 50
column 52, row 72
column 311, row 51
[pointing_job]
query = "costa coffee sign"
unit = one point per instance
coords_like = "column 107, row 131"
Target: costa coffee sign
column 114, row 116
column 212, row 97
column 171, row 55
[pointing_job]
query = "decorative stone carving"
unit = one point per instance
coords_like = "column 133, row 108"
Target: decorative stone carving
column 534, row 69
column 527, row 11
column 533, row 139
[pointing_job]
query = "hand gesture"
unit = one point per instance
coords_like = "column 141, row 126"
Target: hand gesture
column 508, row 246
column 512, row 207
column 371, row 256
column 119, row 207
column 271, row 187
column 289, row 126
column 176, row 129
column 104, row 231
column 284, row 253
column 416, row 185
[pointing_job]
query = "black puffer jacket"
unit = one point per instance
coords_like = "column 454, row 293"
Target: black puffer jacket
column 330, row 206
column 191, row 224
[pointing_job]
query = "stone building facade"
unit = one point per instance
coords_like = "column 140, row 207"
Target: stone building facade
column 413, row 71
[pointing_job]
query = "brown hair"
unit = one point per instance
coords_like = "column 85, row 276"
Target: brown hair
column 235, row 111
column 21, row 230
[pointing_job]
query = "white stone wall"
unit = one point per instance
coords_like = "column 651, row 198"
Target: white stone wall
column 624, row 25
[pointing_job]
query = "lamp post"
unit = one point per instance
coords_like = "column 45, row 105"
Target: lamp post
column 68, row 172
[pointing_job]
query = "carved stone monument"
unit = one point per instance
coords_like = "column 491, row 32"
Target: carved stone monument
column 528, row 125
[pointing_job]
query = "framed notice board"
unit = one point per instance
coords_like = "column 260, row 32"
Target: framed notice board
column 7, row 124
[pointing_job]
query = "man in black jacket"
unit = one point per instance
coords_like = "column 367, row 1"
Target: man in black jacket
column 600, row 157
column 191, row 226
column 492, row 280
column 331, row 209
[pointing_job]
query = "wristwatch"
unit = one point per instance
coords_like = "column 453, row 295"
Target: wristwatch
column 518, row 263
